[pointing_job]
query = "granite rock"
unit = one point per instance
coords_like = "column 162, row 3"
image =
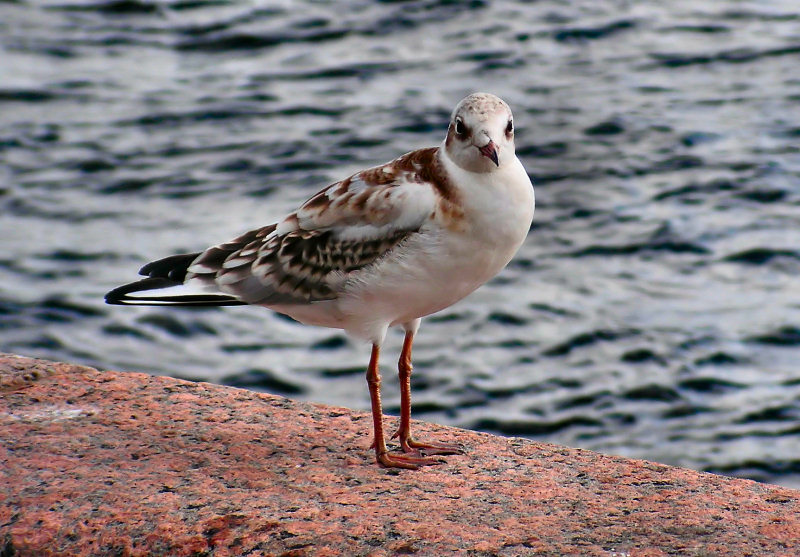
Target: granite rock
column 116, row 463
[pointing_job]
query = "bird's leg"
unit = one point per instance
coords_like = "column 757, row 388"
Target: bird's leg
column 408, row 444
column 404, row 369
column 382, row 454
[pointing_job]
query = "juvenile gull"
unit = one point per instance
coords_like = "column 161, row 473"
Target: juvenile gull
column 383, row 247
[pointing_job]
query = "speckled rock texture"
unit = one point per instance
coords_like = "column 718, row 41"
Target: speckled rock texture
column 111, row 463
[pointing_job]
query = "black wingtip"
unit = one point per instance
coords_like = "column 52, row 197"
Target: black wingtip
column 173, row 267
column 119, row 296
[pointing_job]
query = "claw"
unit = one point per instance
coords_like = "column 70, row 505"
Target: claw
column 400, row 460
column 410, row 445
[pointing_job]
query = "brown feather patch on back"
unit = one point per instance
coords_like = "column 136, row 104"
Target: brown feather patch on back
column 418, row 166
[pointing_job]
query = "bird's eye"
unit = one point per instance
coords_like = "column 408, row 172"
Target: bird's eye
column 510, row 127
column 461, row 129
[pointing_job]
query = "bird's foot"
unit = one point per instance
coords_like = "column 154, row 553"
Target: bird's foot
column 409, row 462
column 410, row 445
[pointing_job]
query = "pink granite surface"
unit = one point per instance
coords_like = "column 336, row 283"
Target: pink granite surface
column 112, row 463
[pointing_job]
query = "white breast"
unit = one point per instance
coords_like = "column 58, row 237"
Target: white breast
column 441, row 265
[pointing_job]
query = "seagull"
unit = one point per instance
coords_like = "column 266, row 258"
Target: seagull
column 384, row 247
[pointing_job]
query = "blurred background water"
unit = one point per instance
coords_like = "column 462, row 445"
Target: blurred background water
column 654, row 311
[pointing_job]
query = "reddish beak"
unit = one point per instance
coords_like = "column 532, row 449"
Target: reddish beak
column 490, row 150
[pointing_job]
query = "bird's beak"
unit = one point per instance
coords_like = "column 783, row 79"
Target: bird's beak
column 490, row 150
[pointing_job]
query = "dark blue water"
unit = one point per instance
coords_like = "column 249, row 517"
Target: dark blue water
column 653, row 312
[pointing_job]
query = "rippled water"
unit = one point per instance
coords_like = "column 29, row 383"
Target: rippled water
column 653, row 312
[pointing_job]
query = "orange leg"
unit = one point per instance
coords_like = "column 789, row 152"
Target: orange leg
column 382, row 454
column 408, row 444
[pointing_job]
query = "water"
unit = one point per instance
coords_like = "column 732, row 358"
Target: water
column 654, row 311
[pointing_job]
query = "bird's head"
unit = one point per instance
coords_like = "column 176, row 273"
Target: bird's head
column 481, row 133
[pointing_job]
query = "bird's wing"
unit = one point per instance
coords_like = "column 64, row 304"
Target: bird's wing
column 345, row 227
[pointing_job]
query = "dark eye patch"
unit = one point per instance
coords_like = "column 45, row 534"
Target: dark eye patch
column 460, row 128
column 510, row 127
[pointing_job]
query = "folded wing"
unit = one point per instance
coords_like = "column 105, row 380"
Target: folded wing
column 306, row 257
